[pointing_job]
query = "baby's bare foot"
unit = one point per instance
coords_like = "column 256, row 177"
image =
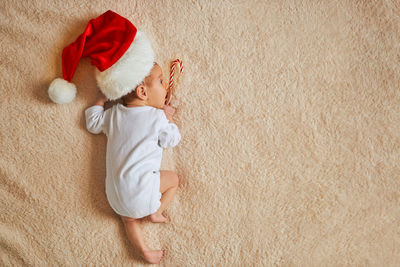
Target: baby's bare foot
column 153, row 256
column 157, row 218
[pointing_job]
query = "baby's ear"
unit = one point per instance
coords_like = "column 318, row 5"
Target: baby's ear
column 141, row 92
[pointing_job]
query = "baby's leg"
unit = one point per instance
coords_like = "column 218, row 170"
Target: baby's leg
column 169, row 183
column 135, row 236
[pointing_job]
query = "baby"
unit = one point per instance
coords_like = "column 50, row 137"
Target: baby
column 137, row 131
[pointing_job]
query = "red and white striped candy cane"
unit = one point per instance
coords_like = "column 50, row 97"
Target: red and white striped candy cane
column 171, row 78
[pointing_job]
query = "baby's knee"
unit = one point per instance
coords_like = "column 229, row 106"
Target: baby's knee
column 176, row 180
column 128, row 219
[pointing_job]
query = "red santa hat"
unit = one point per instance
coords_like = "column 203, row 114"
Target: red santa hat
column 122, row 55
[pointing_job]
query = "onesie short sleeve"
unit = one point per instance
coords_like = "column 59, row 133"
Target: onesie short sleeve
column 169, row 135
column 95, row 119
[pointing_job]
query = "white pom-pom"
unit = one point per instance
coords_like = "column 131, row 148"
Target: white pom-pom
column 62, row 91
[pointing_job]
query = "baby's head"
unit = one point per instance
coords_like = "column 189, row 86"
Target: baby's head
column 122, row 55
column 151, row 92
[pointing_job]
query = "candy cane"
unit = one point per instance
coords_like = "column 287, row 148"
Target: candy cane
column 171, row 78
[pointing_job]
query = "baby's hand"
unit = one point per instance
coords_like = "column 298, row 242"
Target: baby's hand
column 100, row 98
column 169, row 112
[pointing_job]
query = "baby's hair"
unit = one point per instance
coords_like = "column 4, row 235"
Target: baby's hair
column 128, row 97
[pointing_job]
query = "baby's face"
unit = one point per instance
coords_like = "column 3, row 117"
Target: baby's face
column 157, row 88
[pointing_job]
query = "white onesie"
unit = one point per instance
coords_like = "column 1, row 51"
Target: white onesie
column 135, row 139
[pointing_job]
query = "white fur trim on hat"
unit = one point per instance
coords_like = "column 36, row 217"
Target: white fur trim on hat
column 61, row 91
column 129, row 71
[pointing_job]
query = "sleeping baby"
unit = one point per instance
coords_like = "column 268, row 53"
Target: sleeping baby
column 137, row 131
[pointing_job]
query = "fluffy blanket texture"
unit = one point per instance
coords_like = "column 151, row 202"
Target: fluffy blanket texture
column 290, row 117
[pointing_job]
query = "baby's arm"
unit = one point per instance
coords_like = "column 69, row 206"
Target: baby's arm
column 95, row 115
column 169, row 135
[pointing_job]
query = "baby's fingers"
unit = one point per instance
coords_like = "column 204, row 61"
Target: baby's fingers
column 169, row 109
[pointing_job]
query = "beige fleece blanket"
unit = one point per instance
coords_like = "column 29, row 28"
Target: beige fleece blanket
column 290, row 117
